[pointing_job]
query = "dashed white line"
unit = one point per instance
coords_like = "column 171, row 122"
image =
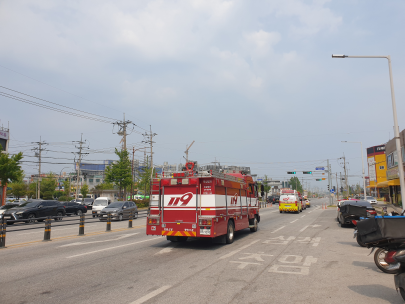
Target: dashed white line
column 303, row 216
column 109, row 248
column 278, row 229
column 293, row 221
column 151, row 295
column 237, row 250
column 303, row 228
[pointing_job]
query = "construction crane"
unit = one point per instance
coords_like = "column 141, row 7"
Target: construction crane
column 187, row 151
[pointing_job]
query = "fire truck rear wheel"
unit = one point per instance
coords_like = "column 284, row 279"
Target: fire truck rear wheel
column 230, row 233
column 254, row 229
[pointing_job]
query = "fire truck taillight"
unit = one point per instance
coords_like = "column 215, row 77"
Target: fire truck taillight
column 153, row 221
column 205, row 222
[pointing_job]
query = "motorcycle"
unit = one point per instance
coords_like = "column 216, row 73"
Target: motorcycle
column 399, row 279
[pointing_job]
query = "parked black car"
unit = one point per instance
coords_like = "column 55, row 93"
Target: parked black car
column 32, row 209
column 74, row 208
column 360, row 209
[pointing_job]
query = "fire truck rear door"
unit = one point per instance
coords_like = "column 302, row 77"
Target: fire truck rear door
column 180, row 204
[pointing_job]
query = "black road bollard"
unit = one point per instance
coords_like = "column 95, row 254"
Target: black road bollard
column 108, row 222
column 81, row 225
column 131, row 216
column 47, row 233
column 3, row 232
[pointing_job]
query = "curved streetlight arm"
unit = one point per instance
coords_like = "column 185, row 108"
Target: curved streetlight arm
column 396, row 128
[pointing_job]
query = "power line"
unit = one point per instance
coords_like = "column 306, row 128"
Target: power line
column 51, row 108
column 54, row 103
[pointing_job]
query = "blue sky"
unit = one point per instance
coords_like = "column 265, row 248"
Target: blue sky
column 252, row 82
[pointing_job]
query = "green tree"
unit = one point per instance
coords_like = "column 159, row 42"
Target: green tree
column 10, row 168
column 66, row 187
column 18, row 189
column 84, row 190
column 144, row 181
column 32, row 190
column 48, row 186
column 119, row 173
column 295, row 183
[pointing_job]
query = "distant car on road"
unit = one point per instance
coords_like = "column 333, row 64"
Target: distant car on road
column 74, row 208
column 307, row 203
column 32, row 209
column 119, row 211
column 99, row 204
column 369, row 199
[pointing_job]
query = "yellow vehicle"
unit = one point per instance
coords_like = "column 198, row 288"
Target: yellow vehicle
column 289, row 201
column 307, row 203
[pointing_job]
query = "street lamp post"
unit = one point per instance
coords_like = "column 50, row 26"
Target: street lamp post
column 396, row 129
column 362, row 163
column 60, row 174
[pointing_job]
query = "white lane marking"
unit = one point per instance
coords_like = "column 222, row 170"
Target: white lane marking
column 110, row 248
column 151, row 295
column 309, row 211
column 303, row 216
column 165, row 250
column 103, row 241
column 237, row 250
column 293, row 221
column 303, row 228
column 278, row 229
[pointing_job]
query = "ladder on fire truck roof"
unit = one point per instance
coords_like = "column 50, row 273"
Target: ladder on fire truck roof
column 186, row 174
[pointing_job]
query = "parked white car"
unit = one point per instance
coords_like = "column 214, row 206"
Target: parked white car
column 370, row 199
column 99, row 204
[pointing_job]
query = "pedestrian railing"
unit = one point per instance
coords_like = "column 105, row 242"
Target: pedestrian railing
column 48, row 225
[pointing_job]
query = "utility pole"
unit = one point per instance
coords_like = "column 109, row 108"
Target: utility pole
column 337, row 188
column 81, row 142
column 132, row 185
column 149, row 140
column 329, row 183
column 38, row 153
column 123, row 131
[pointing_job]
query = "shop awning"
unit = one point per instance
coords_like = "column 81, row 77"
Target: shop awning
column 382, row 184
column 394, row 182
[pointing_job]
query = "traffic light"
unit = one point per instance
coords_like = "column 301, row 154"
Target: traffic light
column 328, row 187
column 334, row 189
column 307, row 172
column 318, row 179
column 291, row 172
column 341, row 189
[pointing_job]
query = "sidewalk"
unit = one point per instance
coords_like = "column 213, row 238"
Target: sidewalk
column 390, row 208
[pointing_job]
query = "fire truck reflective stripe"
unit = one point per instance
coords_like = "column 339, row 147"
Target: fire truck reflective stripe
column 180, row 233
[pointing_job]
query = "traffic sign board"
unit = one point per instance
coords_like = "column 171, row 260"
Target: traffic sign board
column 320, row 168
column 332, row 191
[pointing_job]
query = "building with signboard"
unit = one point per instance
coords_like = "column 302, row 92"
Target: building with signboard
column 392, row 167
column 377, row 171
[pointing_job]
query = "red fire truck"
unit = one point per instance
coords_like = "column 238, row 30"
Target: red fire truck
column 202, row 204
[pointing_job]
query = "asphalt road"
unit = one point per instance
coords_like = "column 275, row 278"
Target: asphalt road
column 292, row 258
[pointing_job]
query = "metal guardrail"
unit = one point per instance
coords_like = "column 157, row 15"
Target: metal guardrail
column 48, row 226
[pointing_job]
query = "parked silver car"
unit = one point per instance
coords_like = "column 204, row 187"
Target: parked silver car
column 119, row 211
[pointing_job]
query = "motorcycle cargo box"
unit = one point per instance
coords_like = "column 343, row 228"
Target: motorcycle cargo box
column 382, row 229
column 353, row 211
